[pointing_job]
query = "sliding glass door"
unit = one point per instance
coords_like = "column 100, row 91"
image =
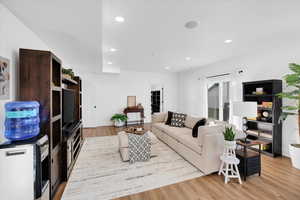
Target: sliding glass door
column 218, row 99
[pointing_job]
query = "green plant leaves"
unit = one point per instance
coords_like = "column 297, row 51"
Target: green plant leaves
column 290, row 108
column 120, row 117
column 292, row 80
column 229, row 134
column 294, row 67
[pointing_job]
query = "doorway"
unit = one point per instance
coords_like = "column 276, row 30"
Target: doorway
column 157, row 102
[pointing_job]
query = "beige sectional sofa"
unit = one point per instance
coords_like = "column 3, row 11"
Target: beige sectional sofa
column 203, row 152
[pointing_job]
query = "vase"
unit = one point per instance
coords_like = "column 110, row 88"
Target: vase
column 295, row 155
column 230, row 144
column 119, row 123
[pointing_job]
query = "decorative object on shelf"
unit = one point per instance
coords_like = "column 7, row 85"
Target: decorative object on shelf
column 259, row 91
column 139, row 105
column 229, row 165
column 292, row 81
column 68, row 73
column 4, row 78
column 246, row 110
column 119, row 119
column 267, row 104
column 131, row 101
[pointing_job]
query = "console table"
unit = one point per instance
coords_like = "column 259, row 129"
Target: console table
column 136, row 109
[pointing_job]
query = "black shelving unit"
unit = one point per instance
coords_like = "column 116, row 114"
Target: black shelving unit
column 267, row 129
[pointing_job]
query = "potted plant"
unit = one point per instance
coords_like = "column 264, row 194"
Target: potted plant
column 292, row 82
column 119, row 119
column 229, row 136
column 68, row 73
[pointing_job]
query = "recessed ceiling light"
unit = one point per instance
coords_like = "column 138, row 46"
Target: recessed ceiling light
column 119, row 19
column 109, row 63
column 112, row 49
column 167, row 67
column 188, row 58
column 227, row 41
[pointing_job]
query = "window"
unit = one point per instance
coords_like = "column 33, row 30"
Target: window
column 218, row 100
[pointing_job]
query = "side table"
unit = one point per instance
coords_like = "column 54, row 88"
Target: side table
column 250, row 160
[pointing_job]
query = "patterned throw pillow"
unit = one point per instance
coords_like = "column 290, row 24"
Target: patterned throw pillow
column 178, row 119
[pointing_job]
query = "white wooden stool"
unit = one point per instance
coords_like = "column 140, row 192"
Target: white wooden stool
column 229, row 165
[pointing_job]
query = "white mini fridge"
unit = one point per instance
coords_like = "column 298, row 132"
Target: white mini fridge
column 16, row 173
column 21, row 174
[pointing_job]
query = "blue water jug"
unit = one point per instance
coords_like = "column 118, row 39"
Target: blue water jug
column 21, row 120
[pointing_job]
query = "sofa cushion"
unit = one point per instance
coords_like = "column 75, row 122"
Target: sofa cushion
column 178, row 119
column 182, row 135
column 191, row 121
column 159, row 117
column 169, row 117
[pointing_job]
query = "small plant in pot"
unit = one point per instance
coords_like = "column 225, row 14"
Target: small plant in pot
column 119, row 119
column 229, row 136
column 293, row 83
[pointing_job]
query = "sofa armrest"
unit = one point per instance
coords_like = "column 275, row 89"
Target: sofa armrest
column 203, row 131
column 158, row 117
column 213, row 147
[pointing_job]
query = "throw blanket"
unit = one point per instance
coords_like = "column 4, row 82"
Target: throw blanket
column 139, row 147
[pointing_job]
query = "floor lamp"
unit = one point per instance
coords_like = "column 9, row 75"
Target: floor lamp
column 244, row 109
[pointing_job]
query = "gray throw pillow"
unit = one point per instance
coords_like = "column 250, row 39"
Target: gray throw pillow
column 178, row 119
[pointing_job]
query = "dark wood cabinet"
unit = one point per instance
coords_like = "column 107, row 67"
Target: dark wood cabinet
column 41, row 80
column 56, row 171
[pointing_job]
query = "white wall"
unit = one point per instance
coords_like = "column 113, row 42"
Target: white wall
column 269, row 61
column 14, row 35
column 108, row 92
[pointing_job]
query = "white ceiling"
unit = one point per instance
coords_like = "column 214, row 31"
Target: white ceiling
column 153, row 34
column 71, row 28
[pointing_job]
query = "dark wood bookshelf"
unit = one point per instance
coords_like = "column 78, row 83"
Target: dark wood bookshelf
column 41, row 80
column 266, row 129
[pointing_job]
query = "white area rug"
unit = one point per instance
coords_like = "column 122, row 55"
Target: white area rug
column 100, row 174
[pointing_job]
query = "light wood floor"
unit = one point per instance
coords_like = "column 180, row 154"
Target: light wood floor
column 278, row 181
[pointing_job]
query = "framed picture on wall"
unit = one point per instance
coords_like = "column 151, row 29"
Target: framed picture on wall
column 4, row 78
column 131, row 101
